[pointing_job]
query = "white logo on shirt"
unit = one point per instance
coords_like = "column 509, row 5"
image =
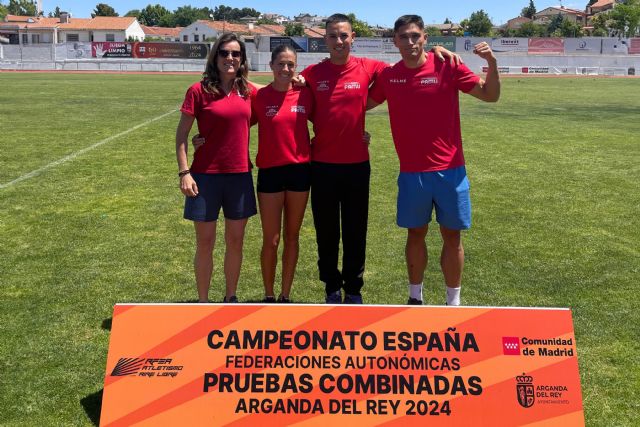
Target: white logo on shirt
column 272, row 110
column 298, row 109
column 323, row 85
column 429, row 81
column 352, row 85
column 397, row 81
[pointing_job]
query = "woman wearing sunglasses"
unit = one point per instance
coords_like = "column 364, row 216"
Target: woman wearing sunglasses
column 219, row 176
column 284, row 178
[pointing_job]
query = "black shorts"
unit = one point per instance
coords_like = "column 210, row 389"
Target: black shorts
column 293, row 177
column 233, row 192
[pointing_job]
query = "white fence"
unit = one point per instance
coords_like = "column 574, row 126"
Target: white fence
column 76, row 57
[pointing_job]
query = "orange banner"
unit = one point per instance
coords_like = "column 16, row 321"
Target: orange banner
column 316, row 365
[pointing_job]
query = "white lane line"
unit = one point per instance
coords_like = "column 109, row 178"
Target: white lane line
column 81, row 152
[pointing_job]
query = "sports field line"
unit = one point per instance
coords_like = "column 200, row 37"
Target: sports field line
column 84, row 150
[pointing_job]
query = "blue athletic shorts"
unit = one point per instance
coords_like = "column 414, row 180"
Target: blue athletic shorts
column 447, row 191
column 233, row 192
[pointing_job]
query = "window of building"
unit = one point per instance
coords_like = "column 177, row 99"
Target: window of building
column 196, row 38
column 25, row 39
column 35, row 38
column 111, row 37
column 73, row 37
column 185, row 38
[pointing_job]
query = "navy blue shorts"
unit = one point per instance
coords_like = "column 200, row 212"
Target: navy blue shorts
column 233, row 192
column 292, row 177
column 447, row 191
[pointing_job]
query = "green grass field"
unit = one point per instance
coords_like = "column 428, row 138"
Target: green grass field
column 553, row 168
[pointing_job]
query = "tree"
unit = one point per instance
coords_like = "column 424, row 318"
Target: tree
column 227, row 13
column 554, row 25
column 625, row 18
column 600, row 24
column 266, row 21
column 168, row 21
column 133, row 12
column 187, row 15
column 21, row 8
column 479, row 24
column 103, row 9
column 530, row 29
column 152, row 15
column 569, row 28
column 3, row 11
column 222, row 13
column 248, row 11
column 293, row 29
column 56, row 13
column 432, row 31
column 529, row 11
column 361, row 28
column 447, row 21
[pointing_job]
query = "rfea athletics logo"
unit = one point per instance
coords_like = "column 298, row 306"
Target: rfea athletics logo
column 511, row 346
column 141, row 367
column 323, row 86
column 525, row 390
column 127, row 366
column 271, row 111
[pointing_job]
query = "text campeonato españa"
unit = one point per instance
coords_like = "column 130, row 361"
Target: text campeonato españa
column 342, row 340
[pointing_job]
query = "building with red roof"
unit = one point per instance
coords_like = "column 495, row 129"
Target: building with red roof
column 162, row 33
column 203, row 30
column 38, row 30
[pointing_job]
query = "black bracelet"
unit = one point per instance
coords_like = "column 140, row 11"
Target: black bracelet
column 183, row 173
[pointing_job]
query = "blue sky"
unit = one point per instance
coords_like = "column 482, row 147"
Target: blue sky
column 374, row 12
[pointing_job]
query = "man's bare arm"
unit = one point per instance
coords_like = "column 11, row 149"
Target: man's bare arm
column 487, row 90
column 371, row 104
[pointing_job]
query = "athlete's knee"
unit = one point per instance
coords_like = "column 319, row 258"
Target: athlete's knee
column 205, row 243
column 271, row 242
column 451, row 238
column 418, row 233
column 291, row 239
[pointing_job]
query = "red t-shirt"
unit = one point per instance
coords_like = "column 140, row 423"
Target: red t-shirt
column 425, row 113
column 340, row 94
column 223, row 121
column 283, row 135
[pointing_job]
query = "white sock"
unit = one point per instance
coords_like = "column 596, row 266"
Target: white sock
column 453, row 296
column 415, row 291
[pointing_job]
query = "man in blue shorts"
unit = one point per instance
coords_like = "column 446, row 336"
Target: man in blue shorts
column 432, row 171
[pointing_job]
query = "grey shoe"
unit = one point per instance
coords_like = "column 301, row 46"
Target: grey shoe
column 334, row 298
column 414, row 301
column 352, row 299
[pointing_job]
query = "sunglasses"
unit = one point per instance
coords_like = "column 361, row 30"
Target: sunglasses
column 223, row 53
